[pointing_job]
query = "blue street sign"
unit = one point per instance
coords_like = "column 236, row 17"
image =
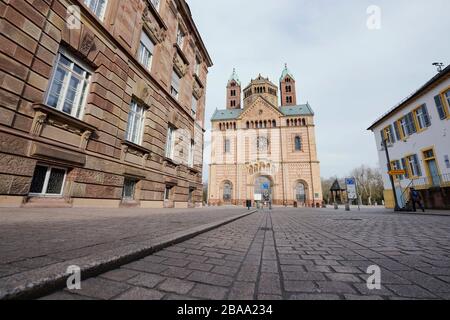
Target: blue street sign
column 350, row 181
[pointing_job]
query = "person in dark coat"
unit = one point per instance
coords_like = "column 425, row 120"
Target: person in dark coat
column 415, row 199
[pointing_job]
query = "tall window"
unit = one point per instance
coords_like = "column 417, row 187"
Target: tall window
column 175, row 86
column 167, row 192
column 388, row 134
column 98, row 7
column 191, row 154
column 440, row 107
column 156, row 4
column 69, row 86
column 135, row 126
column 422, row 117
column 413, row 166
column 170, row 142
column 180, row 37
column 129, row 189
column 47, row 181
column 233, row 103
column 395, row 165
column 298, row 143
column 146, row 51
column 288, row 99
column 233, row 93
column 227, row 146
column 288, row 89
column 197, row 66
column 194, row 106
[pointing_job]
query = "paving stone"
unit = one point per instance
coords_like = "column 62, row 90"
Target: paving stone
column 210, row 278
column 145, row 266
column 200, row 266
column 146, row 280
column 209, row 292
column 62, row 295
column 303, row 276
column 140, row 294
column 269, row 283
column 335, row 287
column 410, row 291
column 242, row 291
column 176, row 272
column 310, row 297
column 100, row 288
column 344, row 277
column 300, row 286
column 175, row 262
column 268, row 297
column 119, row 274
column 176, row 286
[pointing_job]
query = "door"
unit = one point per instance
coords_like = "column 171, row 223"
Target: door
column 434, row 172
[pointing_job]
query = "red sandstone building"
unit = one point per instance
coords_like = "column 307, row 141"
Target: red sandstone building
column 102, row 103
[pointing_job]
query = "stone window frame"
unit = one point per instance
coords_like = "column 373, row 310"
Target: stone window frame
column 294, row 145
column 46, row 181
column 143, row 46
column 173, row 88
column 135, row 182
column 143, row 110
column 77, row 113
column 100, row 15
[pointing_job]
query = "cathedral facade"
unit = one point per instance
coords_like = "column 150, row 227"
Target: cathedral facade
column 261, row 150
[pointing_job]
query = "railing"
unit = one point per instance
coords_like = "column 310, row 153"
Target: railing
column 425, row 183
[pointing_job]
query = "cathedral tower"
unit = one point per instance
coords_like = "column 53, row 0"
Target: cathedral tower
column 287, row 88
column 234, row 92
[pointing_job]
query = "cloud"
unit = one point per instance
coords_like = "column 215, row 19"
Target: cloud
column 349, row 74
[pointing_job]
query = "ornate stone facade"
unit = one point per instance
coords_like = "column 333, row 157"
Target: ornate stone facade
column 92, row 147
column 264, row 149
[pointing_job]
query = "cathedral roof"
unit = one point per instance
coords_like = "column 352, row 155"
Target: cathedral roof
column 300, row 110
column 233, row 114
column 235, row 77
column 229, row 114
column 286, row 73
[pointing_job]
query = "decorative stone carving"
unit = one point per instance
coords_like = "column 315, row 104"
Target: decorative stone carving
column 85, row 139
column 38, row 123
column 65, row 126
column 87, row 43
column 197, row 90
column 179, row 65
column 156, row 32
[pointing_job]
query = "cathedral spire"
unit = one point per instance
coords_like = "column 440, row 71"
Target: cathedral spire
column 235, row 77
column 287, row 88
column 234, row 91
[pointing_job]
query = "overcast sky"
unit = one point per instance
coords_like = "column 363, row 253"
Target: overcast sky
column 349, row 74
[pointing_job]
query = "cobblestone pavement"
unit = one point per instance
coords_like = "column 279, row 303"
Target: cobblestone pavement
column 291, row 254
column 35, row 238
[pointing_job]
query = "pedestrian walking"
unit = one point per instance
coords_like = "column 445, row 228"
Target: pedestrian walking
column 416, row 199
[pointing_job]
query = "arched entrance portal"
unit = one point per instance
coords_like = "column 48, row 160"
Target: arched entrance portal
column 227, row 192
column 300, row 193
column 263, row 186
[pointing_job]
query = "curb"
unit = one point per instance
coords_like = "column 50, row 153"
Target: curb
column 33, row 284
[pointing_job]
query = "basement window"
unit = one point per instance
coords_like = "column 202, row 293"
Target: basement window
column 48, row 181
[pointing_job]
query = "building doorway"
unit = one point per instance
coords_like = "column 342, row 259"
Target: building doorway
column 432, row 168
column 300, row 193
column 227, row 192
column 263, row 186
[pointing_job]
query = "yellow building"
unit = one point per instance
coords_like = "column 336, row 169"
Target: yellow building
column 263, row 150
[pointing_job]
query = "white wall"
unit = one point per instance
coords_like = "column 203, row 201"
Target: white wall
column 437, row 136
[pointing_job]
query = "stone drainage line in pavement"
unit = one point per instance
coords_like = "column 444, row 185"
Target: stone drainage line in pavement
column 36, row 283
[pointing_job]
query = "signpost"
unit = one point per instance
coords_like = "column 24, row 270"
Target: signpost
column 352, row 193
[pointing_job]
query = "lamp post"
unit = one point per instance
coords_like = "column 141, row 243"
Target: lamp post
column 385, row 146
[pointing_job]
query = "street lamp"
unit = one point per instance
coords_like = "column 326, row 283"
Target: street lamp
column 385, row 146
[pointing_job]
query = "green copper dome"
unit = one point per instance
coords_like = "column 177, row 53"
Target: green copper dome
column 286, row 73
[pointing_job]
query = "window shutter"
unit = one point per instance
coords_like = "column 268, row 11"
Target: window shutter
column 405, row 167
column 397, row 132
column 426, row 116
column 410, row 124
column 440, row 107
column 391, row 128
column 382, row 136
column 417, row 164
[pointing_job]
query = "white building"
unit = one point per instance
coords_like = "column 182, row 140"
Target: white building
column 418, row 135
